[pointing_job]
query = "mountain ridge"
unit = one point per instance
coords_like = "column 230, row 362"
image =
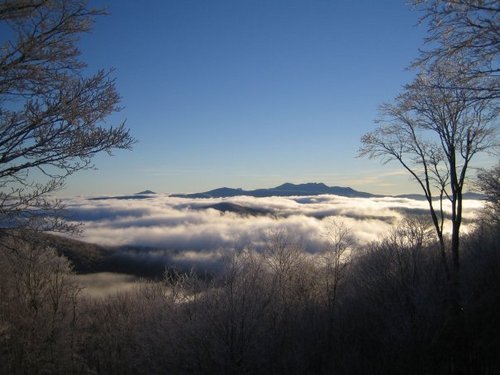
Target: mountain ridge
column 286, row 189
column 283, row 190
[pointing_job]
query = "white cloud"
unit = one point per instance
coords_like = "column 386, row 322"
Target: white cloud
column 104, row 284
column 202, row 235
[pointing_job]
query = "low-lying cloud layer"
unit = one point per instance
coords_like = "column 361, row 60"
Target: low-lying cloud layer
column 188, row 226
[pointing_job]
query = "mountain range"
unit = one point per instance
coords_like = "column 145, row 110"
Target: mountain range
column 288, row 189
column 284, row 190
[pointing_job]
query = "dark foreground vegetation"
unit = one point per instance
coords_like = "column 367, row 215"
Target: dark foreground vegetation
column 381, row 309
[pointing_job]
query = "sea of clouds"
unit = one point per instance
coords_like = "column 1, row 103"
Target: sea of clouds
column 159, row 232
column 168, row 223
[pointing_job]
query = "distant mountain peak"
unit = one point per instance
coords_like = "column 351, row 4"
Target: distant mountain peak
column 286, row 185
column 145, row 192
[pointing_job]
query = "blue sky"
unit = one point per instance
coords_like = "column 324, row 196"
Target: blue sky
column 249, row 93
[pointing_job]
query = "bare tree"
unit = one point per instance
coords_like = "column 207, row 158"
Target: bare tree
column 469, row 30
column 51, row 114
column 488, row 182
column 434, row 131
column 293, row 282
column 335, row 258
column 38, row 311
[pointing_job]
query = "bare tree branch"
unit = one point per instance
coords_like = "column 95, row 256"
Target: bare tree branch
column 434, row 131
column 468, row 30
column 51, row 115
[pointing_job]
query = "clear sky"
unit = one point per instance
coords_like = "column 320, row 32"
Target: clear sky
column 249, row 93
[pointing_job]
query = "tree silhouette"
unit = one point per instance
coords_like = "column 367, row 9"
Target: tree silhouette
column 51, row 113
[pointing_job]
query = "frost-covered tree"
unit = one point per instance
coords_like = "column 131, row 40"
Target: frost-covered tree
column 469, row 30
column 434, row 129
column 52, row 110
